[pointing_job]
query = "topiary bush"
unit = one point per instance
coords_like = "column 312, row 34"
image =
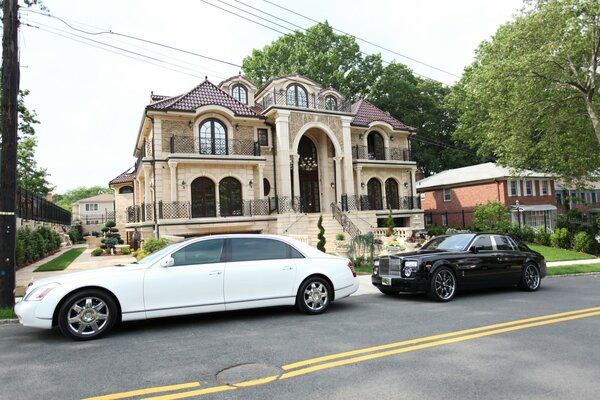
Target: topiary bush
column 151, row 245
column 560, row 238
column 390, row 224
column 321, row 235
column 125, row 250
column 97, row 252
column 583, row 242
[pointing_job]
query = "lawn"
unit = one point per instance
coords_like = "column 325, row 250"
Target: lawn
column 7, row 313
column 554, row 254
column 61, row 262
column 573, row 269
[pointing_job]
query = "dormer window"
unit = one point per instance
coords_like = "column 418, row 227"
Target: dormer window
column 296, row 96
column 330, row 103
column 240, row 93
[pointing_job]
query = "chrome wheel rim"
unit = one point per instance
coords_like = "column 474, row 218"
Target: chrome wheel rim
column 316, row 296
column 444, row 284
column 88, row 316
column 532, row 277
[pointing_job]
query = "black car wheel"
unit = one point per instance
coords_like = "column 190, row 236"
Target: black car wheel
column 313, row 296
column 530, row 279
column 442, row 285
column 87, row 315
column 388, row 292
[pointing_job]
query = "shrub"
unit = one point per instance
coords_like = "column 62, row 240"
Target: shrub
column 140, row 254
column 390, row 224
column 97, row 252
column 583, row 242
column 560, row 238
column 151, row 245
column 542, row 237
column 434, row 230
column 491, row 217
column 321, row 235
column 125, row 250
column 340, row 236
column 74, row 234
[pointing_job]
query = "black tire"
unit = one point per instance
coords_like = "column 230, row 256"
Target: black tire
column 442, row 286
column 87, row 315
column 530, row 278
column 314, row 296
column 388, row 292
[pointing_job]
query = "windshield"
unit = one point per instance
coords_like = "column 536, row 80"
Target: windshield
column 155, row 256
column 454, row 242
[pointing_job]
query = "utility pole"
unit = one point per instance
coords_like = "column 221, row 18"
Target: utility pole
column 8, row 166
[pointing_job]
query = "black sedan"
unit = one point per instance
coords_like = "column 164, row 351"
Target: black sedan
column 449, row 263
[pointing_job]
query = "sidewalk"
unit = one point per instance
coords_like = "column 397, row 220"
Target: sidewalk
column 83, row 262
column 572, row 262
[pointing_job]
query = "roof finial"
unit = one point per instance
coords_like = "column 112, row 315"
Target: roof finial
column 205, row 77
column 240, row 73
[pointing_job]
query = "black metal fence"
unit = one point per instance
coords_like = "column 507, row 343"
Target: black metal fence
column 365, row 202
column 360, row 152
column 33, row 207
column 95, row 219
column 452, row 219
column 193, row 145
column 347, row 224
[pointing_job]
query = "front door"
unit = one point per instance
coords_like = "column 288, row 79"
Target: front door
column 308, row 171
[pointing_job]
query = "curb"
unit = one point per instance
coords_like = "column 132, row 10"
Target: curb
column 9, row 321
column 568, row 275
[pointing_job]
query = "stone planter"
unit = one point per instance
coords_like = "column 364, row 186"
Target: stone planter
column 393, row 249
column 342, row 251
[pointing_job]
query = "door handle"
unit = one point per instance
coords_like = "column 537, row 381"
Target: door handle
column 215, row 272
column 288, row 268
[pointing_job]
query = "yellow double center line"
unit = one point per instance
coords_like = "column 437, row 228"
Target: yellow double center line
column 369, row 353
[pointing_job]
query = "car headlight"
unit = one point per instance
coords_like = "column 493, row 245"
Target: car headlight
column 40, row 292
column 410, row 268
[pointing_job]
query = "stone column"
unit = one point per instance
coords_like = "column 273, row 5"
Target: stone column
column 296, row 172
column 337, row 180
column 173, row 170
column 347, row 175
column 147, row 180
column 261, row 184
column 283, row 153
column 359, row 189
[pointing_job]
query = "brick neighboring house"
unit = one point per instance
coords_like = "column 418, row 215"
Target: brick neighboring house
column 237, row 158
column 449, row 197
column 586, row 200
column 93, row 212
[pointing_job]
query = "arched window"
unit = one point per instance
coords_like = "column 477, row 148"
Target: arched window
column 213, row 137
column 230, row 197
column 240, row 93
column 391, row 194
column 374, row 194
column 203, row 198
column 330, row 103
column 296, row 96
column 126, row 190
column 375, row 148
column 266, row 187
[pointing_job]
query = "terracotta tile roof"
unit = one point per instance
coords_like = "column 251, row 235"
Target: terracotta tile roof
column 125, row 177
column 202, row 95
column 366, row 113
column 158, row 97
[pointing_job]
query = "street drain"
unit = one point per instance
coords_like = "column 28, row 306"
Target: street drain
column 246, row 372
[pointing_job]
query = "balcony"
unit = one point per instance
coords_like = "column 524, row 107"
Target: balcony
column 366, row 202
column 312, row 102
column 360, row 152
column 193, row 145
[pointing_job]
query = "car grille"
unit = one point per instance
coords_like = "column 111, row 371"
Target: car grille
column 390, row 266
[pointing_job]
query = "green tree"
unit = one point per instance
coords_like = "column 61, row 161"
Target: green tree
column 67, row 199
column 319, row 54
column 29, row 175
column 421, row 103
column 321, row 235
column 530, row 98
column 491, row 217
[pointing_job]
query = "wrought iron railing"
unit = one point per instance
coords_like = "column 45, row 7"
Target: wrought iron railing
column 193, row 145
column 312, row 101
column 366, row 202
column 360, row 152
column 95, row 219
column 344, row 220
column 33, row 207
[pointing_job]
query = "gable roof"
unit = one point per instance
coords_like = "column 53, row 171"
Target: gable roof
column 125, row 177
column 99, row 198
column 202, row 95
column 366, row 113
column 475, row 173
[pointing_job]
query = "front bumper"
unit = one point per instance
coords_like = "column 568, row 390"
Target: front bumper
column 26, row 311
column 415, row 285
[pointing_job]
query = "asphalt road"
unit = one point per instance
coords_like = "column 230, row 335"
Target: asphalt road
column 554, row 357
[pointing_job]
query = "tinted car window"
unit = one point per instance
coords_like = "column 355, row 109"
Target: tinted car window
column 502, row 243
column 204, row 252
column 454, row 242
column 248, row 249
column 522, row 246
column 483, row 243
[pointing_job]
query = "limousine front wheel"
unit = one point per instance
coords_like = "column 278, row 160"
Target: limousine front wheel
column 442, row 285
column 313, row 296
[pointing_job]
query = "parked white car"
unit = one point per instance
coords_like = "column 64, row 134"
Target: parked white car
column 208, row 274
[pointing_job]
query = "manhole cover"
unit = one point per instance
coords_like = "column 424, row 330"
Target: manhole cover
column 246, row 372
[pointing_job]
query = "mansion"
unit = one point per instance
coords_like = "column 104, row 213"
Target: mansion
column 238, row 158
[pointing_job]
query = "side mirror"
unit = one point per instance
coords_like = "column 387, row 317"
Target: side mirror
column 167, row 262
column 474, row 249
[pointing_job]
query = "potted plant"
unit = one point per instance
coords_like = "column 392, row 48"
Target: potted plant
column 394, row 247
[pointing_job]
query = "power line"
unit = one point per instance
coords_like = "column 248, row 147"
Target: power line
column 367, row 41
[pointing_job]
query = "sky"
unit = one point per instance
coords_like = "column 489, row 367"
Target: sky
column 89, row 94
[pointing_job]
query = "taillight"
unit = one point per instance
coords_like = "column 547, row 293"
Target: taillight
column 351, row 266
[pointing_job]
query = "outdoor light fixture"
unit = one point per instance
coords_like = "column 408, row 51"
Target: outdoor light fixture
column 405, row 184
column 362, row 185
column 237, row 127
column 391, row 138
column 332, row 185
column 360, row 136
column 183, row 184
column 250, row 183
column 190, row 123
